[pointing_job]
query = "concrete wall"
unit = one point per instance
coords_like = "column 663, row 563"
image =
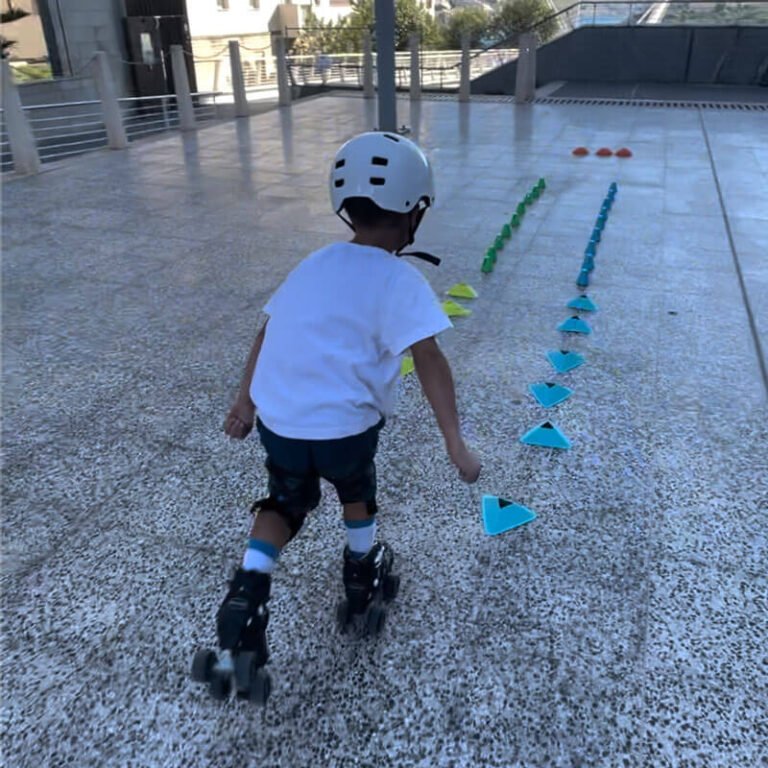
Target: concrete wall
column 712, row 55
column 58, row 91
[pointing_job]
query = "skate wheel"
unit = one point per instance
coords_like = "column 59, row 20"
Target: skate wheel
column 342, row 615
column 202, row 666
column 375, row 619
column 243, row 670
column 220, row 686
column 391, row 586
column 261, row 687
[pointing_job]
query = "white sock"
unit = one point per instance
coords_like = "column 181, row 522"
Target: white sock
column 360, row 536
column 260, row 556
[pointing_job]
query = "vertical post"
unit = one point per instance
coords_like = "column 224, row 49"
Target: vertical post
column 525, row 82
column 367, row 67
column 283, row 85
column 238, row 83
column 464, row 80
column 385, row 63
column 181, row 84
column 20, row 137
column 110, row 107
column 415, row 67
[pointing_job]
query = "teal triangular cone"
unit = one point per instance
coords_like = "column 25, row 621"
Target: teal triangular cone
column 563, row 360
column 574, row 325
column 584, row 303
column 546, row 435
column 500, row 515
column 548, row 393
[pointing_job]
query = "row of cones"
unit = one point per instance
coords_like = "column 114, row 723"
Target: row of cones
column 603, row 152
column 491, row 255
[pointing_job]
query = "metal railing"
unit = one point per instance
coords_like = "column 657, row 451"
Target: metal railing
column 73, row 128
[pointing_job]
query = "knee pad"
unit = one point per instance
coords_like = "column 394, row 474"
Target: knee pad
column 292, row 516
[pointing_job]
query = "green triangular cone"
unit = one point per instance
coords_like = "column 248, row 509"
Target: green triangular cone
column 462, row 291
column 548, row 393
column 546, row 435
column 500, row 515
column 452, row 309
column 563, row 360
column 406, row 366
column 574, row 325
column 584, row 303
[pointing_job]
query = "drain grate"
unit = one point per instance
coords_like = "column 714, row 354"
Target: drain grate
column 739, row 106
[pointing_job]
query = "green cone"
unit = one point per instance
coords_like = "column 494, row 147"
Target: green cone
column 487, row 265
column 506, row 232
column 498, row 243
column 491, row 254
column 515, row 221
column 542, row 185
column 521, row 209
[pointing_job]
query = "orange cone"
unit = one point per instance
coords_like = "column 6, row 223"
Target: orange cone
column 603, row 152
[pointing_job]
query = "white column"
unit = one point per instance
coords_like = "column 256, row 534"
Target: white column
column 415, row 67
column 20, row 137
column 525, row 81
column 181, row 84
column 110, row 107
column 238, row 83
column 368, row 92
column 283, row 83
column 464, row 80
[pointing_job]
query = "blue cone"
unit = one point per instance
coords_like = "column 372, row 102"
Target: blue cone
column 583, row 279
column 600, row 222
column 574, row 325
column 500, row 515
column 588, row 263
column 614, row 187
column 563, row 360
column 548, row 393
column 584, row 303
column 546, row 435
column 591, row 249
column 596, row 235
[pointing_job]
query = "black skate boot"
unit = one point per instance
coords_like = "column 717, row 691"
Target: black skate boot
column 368, row 584
column 241, row 623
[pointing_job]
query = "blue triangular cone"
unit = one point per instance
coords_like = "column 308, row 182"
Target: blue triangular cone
column 596, row 235
column 582, row 281
column 500, row 515
column 590, row 249
column 563, row 360
column 584, row 303
column 588, row 263
column 574, row 325
column 546, row 435
column 548, row 393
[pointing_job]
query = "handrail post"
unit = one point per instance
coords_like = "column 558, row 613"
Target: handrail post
column 368, row 91
column 110, row 107
column 181, row 86
column 415, row 67
column 238, row 83
column 283, row 84
column 464, row 78
column 26, row 159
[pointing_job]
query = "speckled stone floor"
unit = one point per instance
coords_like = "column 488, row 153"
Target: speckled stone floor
column 626, row 626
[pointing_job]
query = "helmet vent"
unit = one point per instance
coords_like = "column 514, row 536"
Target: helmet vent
column 340, row 163
column 391, row 137
column 338, row 183
column 379, row 161
column 377, row 181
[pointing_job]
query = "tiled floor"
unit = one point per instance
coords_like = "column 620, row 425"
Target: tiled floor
column 626, row 626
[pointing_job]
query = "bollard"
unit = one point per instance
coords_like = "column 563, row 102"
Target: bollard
column 368, row 91
column 26, row 159
column 238, row 83
column 283, row 84
column 110, row 107
column 181, row 86
column 525, row 82
column 464, row 80
column 415, row 67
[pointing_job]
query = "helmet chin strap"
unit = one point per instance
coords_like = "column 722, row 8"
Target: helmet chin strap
column 423, row 255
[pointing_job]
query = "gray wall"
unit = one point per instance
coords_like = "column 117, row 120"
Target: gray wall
column 712, row 55
column 63, row 89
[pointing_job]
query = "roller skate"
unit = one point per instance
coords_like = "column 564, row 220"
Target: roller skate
column 368, row 583
column 241, row 624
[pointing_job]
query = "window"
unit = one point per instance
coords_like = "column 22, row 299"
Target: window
column 222, row 5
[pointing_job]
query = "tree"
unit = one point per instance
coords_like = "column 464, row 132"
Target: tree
column 6, row 17
column 516, row 16
column 473, row 20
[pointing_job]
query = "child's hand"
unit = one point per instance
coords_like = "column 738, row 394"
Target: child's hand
column 239, row 421
column 465, row 461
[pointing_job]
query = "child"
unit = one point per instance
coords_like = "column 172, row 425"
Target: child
column 323, row 372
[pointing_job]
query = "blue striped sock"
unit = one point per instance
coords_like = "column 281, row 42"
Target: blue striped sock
column 260, row 556
column 360, row 536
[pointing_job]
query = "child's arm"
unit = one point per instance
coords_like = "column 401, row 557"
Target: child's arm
column 239, row 421
column 437, row 382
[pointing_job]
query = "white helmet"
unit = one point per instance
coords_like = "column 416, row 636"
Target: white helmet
column 386, row 168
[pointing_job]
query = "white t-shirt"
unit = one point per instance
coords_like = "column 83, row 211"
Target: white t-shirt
column 338, row 326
